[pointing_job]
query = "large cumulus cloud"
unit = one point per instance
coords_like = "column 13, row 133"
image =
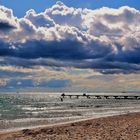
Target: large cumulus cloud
column 107, row 40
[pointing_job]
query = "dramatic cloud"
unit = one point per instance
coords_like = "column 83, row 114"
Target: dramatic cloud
column 106, row 40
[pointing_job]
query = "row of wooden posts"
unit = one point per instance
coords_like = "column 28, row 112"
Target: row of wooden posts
column 63, row 95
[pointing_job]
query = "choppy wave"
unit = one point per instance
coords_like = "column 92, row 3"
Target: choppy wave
column 27, row 110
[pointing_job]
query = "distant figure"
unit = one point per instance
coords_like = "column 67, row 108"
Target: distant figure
column 63, row 95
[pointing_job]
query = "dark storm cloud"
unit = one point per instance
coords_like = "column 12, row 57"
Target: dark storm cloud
column 61, row 54
column 62, row 50
column 57, row 50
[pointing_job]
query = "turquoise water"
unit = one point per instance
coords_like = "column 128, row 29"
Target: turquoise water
column 35, row 109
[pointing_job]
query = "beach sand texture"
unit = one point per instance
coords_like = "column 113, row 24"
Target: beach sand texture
column 122, row 127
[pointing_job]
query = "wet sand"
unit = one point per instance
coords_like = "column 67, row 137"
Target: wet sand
column 121, row 127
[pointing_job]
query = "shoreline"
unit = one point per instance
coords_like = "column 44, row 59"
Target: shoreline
column 44, row 131
column 65, row 122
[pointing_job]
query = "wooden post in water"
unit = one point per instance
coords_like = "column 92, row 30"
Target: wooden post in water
column 98, row 97
column 61, row 99
column 107, row 97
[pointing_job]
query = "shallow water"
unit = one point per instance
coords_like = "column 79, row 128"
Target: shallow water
column 35, row 109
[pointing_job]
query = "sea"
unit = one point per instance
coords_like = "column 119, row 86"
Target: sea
column 27, row 110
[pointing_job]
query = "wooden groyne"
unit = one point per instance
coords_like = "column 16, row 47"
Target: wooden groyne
column 130, row 97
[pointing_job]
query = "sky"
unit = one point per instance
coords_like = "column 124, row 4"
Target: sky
column 73, row 46
column 20, row 8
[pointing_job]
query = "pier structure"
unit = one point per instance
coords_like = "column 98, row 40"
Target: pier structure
column 88, row 96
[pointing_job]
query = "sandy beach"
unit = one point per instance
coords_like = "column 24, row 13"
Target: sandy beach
column 121, row 127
